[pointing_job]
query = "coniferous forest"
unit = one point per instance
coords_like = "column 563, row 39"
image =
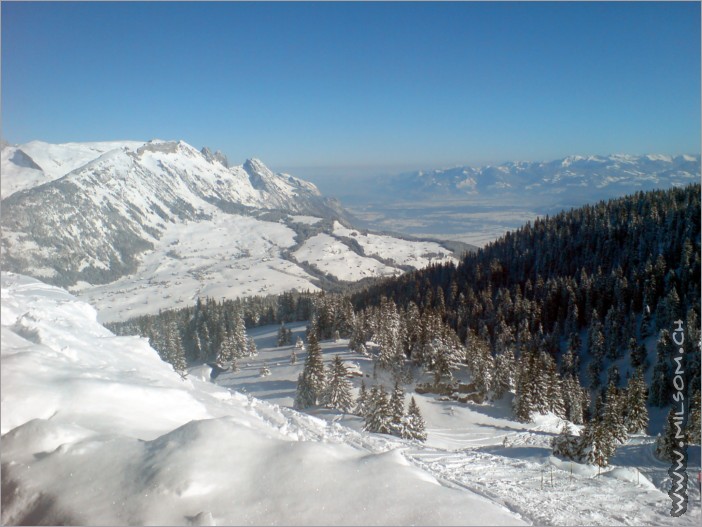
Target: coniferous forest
column 572, row 314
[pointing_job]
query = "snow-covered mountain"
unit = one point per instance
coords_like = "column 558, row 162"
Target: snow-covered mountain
column 97, row 430
column 34, row 163
column 593, row 176
column 163, row 221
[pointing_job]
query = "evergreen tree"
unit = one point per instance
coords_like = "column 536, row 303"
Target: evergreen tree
column 379, row 415
column 573, row 400
column 480, row 362
column 525, row 397
column 177, row 360
column 389, row 338
column 265, row 370
column 226, row 354
column 284, row 335
column 311, row 390
column 636, row 412
column 565, row 444
column 503, row 380
column 338, row 389
column 293, row 357
column 251, row 348
column 553, row 386
column 238, row 334
column 448, row 354
column 596, row 445
column 306, row 395
column 414, row 427
column 613, row 416
column 397, row 410
column 362, row 402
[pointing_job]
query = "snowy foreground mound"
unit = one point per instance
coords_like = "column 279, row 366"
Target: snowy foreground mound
column 97, row 430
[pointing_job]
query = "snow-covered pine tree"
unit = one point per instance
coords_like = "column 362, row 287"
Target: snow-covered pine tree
column 226, row 354
column 338, row 390
column 573, row 399
column 284, row 335
column 177, row 359
column 378, row 417
column 299, row 344
column 397, row 410
column 553, row 385
column 265, row 370
column 565, row 444
column 238, row 334
column 480, row 362
column 503, row 380
column 391, row 356
column 293, row 357
column 362, row 401
column 313, row 378
column 636, row 420
column 613, row 416
column 524, row 401
column 305, row 396
column 251, row 348
column 595, row 446
column 543, row 389
column 414, row 427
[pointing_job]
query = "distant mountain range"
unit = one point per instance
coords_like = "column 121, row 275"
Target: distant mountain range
column 140, row 226
column 577, row 177
column 478, row 205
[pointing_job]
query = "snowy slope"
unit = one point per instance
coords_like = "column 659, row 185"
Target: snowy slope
column 35, row 163
column 227, row 255
column 98, row 431
column 331, row 256
column 401, row 252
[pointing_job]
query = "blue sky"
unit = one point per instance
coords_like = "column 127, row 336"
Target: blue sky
column 358, row 87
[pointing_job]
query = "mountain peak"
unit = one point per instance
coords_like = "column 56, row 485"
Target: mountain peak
column 216, row 157
column 256, row 165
